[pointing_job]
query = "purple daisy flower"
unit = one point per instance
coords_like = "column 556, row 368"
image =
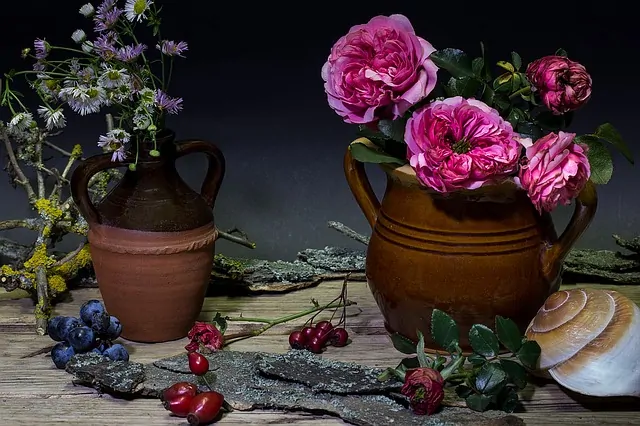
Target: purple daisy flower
column 106, row 16
column 172, row 48
column 165, row 102
column 130, row 53
column 105, row 45
column 42, row 48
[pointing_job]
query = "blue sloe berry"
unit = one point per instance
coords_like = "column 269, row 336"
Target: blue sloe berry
column 89, row 309
column 82, row 339
column 52, row 328
column 65, row 325
column 114, row 329
column 61, row 354
column 117, row 352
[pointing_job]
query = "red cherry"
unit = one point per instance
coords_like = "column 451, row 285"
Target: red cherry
column 339, row 337
column 179, row 389
column 180, row 405
column 297, row 340
column 205, row 407
column 325, row 326
column 316, row 344
column 309, row 332
column 198, row 364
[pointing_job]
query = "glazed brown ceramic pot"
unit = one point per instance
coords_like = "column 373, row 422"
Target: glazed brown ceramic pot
column 473, row 254
column 152, row 238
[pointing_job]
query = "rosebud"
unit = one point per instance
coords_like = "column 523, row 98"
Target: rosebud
column 425, row 389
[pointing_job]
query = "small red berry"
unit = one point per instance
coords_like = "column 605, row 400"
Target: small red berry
column 297, row 340
column 309, row 332
column 315, row 345
column 178, row 389
column 325, row 326
column 339, row 337
column 205, row 407
column 198, row 363
column 180, row 405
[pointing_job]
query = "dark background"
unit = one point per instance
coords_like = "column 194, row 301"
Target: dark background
column 251, row 84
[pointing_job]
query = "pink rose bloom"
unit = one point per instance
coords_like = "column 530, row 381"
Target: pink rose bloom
column 425, row 389
column 564, row 85
column 461, row 143
column 555, row 171
column 378, row 70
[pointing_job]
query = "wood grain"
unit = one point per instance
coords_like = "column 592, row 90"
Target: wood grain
column 32, row 391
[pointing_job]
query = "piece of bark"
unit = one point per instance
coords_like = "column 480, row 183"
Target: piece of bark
column 237, row 376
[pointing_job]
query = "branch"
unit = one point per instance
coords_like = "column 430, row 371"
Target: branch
column 21, row 178
column 32, row 224
column 39, row 175
column 345, row 230
column 69, row 256
column 242, row 239
column 43, row 305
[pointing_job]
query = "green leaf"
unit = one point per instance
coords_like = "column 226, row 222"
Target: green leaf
column 515, row 116
column 503, row 87
column 599, row 157
column 483, row 341
column 464, row 86
column 403, row 344
column 455, row 61
column 220, row 322
column 516, row 60
column 488, row 95
column 508, row 400
column 508, row 333
column 367, row 154
column 463, row 391
column 477, row 65
column 561, row 52
column 476, row 359
column 516, row 372
column 529, row 354
column 444, row 330
column 478, row 402
column 609, row 134
column 529, row 130
column 550, row 121
column 423, row 360
column 491, row 379
column 393, row 129
column 506, row 66
column 408, row 363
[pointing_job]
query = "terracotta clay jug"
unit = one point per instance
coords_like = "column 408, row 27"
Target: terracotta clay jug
column 152, row 238
column 473, row 254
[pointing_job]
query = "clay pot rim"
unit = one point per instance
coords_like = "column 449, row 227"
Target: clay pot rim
column 407, row 176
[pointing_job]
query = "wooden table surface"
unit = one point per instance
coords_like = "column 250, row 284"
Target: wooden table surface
column 34, row 392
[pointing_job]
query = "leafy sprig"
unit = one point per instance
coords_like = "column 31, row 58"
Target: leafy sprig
column 486, row 378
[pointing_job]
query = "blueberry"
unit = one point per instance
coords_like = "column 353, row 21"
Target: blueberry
column 52, row 328
column 61, row 354
column 100, row 322
column 103, row 345
column 117, row 352
column 114, row 330
column 82, row 339
column 65, row 325
column 95, row 351
column 89, row 309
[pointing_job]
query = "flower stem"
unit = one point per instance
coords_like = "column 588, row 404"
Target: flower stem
column 270, row 323
column 452, row 368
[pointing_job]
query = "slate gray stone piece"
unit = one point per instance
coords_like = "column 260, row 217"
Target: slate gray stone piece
column 335, row 259
column 237, row 375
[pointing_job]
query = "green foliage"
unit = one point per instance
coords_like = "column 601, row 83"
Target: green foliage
column 368, row 154
column 490, row 380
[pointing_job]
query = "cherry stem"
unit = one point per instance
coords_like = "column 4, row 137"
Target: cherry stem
column 270, row 323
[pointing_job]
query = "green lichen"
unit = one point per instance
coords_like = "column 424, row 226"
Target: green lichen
column 42, row 310
column 234, row 268
column 57, row 284
column 71, row 267
column 76, row 152
column 48, row 209
column 40, row 258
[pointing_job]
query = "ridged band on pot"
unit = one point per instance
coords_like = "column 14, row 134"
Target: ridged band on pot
column 176, row 265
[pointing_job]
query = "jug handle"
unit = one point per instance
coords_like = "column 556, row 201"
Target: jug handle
column 80, row 178
column 585, row 209
column 360, row 186
column 215, row 170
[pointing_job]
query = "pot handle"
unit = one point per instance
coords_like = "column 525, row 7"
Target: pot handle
column 360, row 186
column 585, row 209
column 80, row 178
column 216, row 168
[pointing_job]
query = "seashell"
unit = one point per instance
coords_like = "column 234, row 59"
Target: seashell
column 590, row 341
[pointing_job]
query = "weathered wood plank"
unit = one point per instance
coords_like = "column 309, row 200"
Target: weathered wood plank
column 25, row 381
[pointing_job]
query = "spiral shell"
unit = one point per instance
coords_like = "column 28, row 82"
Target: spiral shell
column 590, row 341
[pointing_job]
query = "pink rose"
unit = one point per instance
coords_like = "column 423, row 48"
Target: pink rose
column 204, row 336
column 425, row 389
column 564, row 85
column 460, row 143
column 378, row 70
column 554, row 171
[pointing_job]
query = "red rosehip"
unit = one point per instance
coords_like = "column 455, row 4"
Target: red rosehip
column 325, row 326
column 339, row 337
column 180, row 405
column 309, row 332
column 205, row 407
column 198, row 363
column 297, row 340
column 316, row 344
column 179, row 389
